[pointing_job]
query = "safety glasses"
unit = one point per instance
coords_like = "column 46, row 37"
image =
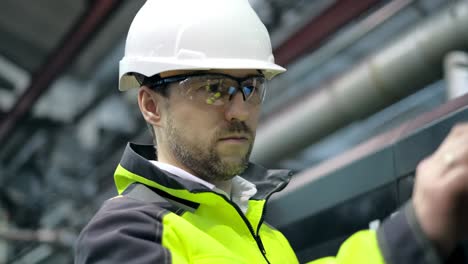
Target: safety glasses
column 214, row 88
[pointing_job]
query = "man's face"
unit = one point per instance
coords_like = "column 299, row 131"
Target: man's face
column 211, row 141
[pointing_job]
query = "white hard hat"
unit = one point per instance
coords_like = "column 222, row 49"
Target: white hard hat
column 170, row 35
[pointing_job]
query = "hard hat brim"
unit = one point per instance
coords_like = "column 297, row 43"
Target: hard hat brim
column 152, row 67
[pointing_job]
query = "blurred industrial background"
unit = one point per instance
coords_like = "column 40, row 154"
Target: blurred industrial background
column 356, row 70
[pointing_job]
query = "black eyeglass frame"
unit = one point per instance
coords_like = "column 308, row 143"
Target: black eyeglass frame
column 155, row 82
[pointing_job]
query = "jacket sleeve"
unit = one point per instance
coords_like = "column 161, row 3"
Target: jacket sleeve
column 119, row 235
column 399, row 240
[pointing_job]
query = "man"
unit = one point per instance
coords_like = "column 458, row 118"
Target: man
column 202, row 68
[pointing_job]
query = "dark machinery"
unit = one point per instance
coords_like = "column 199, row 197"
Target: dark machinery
column 324, row 205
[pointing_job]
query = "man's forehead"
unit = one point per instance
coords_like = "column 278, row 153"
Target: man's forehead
column 232, row 72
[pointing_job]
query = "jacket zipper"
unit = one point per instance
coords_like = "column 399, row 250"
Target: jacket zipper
column 278, row 188
column 256, row 236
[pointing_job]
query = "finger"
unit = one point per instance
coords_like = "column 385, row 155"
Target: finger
column 460, row 128
column 453, row 151
column 463, row 154
column 456, row 180
column 458, row 131
column 458, row 188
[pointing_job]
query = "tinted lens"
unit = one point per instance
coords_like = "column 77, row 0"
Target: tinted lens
column 254, row 89
column 218, row 90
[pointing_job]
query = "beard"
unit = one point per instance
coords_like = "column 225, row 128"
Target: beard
column 203, row 158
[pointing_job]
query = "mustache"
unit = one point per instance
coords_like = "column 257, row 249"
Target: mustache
column 236, row 127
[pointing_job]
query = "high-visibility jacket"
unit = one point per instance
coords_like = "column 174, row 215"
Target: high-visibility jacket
column 161, row 218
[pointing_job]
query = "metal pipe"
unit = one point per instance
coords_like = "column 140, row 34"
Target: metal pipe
column 456, row 73
column 278, row 96
column 410, row 63
column 14, row 74
column 76, row 39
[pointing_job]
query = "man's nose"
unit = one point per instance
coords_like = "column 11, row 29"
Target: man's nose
column 237, row 108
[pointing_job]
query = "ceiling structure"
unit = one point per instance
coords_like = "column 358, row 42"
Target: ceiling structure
column 63, row 123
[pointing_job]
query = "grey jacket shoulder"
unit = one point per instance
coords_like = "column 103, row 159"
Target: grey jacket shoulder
column 124, row 230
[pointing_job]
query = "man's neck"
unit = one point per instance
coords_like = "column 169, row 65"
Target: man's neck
column 225, row 186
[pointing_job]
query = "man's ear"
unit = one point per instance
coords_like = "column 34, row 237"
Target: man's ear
column 150, row 105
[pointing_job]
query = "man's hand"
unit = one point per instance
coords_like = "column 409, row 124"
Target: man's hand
column 441, row 191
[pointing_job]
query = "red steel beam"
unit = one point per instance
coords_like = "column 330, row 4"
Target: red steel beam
column 314, row 33
column 80, row 34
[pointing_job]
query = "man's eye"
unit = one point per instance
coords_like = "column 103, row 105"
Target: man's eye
column 212, row 88
column 248, row 90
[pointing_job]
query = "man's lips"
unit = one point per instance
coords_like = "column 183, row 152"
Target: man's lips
column 234, row 138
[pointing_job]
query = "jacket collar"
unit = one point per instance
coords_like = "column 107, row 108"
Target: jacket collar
column 136, row 160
